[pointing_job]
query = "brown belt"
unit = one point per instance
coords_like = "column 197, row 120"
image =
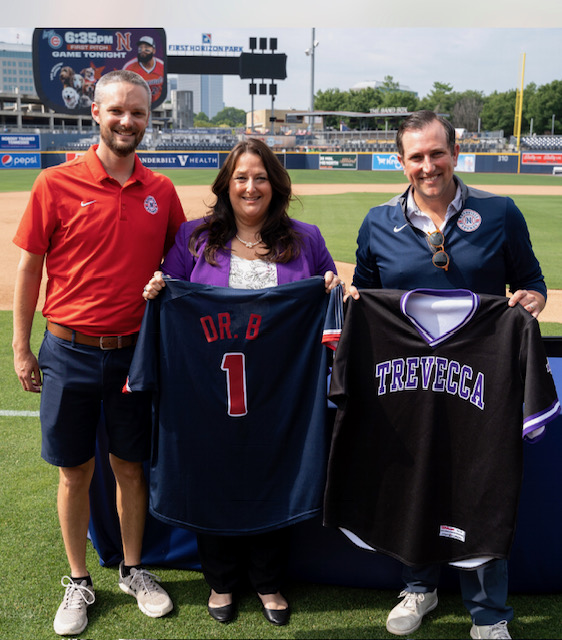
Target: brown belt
column 105, row 343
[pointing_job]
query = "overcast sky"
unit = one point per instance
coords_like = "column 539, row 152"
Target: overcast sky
column 485, row 54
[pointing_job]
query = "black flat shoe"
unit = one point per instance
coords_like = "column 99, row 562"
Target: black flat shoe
column 223, row 614
column 278, row 617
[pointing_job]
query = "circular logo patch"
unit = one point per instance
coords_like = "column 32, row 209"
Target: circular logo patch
column 469, row 220
column 151, row 205
column 54, row 40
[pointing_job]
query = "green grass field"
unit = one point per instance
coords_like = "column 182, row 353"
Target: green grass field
column 339, row 216
column 22, row 179
column 31, row 550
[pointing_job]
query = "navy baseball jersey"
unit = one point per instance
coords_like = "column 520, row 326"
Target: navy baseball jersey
column 435, row 392
column 240, row 441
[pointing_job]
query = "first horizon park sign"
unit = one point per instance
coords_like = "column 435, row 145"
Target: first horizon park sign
column 203, row 48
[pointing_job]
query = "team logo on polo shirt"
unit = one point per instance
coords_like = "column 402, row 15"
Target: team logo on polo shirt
column 469, row 220
column 151, row 205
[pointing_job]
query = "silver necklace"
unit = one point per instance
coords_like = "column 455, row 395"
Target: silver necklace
column 250, row 245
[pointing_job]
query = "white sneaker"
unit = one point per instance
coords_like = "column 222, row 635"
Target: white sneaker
column 498, row 630
column 143, row 585
column 72, row 615
column 407, row 616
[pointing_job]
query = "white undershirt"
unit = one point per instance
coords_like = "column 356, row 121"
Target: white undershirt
column 422, row 221
column 251, row 274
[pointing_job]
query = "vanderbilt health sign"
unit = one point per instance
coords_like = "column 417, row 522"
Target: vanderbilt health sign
column 180, row 160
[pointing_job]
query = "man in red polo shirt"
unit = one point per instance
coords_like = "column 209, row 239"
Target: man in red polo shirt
column 100, row 224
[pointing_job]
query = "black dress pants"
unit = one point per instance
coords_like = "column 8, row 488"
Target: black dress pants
column 228, row 560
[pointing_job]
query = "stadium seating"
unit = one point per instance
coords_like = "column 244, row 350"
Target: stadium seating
column 542, row 143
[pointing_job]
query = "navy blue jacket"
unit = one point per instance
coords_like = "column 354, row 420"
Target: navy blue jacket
column 487, row 241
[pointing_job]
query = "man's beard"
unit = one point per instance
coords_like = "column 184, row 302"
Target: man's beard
column 145, row 58
column 121, row 149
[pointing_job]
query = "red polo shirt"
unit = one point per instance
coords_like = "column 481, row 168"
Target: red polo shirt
column 102, row 241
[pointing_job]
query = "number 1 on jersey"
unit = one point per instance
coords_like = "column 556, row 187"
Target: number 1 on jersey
column 234, row 364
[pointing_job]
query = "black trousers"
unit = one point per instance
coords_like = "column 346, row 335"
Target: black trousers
column 228, row 560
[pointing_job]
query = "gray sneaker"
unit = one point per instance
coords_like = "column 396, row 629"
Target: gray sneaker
column 498, row 630
column 143, row 585
column 72, row 615
column 407, row 616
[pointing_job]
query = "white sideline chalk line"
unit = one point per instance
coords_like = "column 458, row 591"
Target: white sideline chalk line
column 20, row 414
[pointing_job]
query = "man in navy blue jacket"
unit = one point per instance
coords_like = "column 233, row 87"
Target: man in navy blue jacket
column 442, row 234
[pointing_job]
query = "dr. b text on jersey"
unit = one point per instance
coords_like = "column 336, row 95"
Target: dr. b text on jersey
column 223, row 328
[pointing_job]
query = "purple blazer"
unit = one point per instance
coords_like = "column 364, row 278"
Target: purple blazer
column 313, row 259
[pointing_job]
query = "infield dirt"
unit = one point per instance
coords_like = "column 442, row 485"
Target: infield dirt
column 196, row 201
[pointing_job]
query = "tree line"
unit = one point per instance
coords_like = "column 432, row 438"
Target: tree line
column 471, row 110
column 227, row 117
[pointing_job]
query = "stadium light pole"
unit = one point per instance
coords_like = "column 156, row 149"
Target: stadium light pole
column 310, row 52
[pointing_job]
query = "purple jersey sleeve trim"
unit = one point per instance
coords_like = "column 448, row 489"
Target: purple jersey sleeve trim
column 538, row 420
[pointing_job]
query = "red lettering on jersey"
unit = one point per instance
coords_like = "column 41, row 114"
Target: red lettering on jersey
column 221, row 328
column 209, row 328
column 224, row 325
column 234, row 364
column 253, row 327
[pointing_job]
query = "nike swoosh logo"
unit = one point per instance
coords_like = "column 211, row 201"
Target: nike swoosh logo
column 397, row 229
column 85, row 204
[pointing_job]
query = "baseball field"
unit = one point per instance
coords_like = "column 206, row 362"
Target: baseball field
column 31, row 549
column 337, row 204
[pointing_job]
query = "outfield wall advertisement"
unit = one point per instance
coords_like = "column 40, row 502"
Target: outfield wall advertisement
column 180, row 160
column 152, row 160
column 20, row 142
column 467, row 163
column 389, row 162
column 337, row 161
column 20, row 161
column 541, row 158
column 386, row 162
column 13, row 148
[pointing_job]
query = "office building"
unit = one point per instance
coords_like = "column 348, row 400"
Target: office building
column 16, row 69
column 207, row 92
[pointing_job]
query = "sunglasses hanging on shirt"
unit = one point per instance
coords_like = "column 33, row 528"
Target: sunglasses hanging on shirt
column 436, row 241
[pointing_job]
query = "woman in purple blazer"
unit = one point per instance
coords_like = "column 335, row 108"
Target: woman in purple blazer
column 247, row 241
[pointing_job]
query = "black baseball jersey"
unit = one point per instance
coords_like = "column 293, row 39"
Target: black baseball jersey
column 240, row 440
column 434, row 391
